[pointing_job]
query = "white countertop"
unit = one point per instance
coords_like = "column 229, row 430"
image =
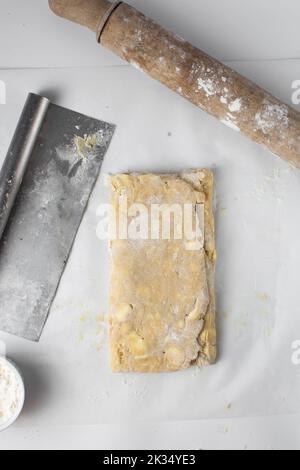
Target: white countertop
column 43, row 54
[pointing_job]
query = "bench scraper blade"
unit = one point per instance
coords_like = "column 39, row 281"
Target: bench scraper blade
column 45, row 185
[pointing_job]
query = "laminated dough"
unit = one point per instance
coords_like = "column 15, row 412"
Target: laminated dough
column 162, row 301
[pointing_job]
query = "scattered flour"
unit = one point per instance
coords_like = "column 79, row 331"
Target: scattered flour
column 235, row 106
column 139, row 35
column 207, row 86
column 10, row 391
column 272, row 116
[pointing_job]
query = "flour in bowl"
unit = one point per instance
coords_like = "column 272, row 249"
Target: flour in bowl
column 10, row 391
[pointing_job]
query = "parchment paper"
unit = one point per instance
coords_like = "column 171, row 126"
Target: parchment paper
column 258, row 220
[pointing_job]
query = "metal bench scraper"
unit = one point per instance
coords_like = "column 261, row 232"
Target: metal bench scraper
column 45, row 184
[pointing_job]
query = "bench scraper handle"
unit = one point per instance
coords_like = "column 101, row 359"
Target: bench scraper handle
column 19, row 153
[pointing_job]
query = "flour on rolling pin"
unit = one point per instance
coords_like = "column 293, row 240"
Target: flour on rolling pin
column 204, row 81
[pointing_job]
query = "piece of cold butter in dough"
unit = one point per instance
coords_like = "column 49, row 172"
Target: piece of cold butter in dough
column 162, row 303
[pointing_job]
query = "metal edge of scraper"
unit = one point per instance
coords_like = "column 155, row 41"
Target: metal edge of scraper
column 19, row 153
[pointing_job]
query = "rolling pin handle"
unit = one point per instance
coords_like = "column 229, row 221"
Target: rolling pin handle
column 88, row 13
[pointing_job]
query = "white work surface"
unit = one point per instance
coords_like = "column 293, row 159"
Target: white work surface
column 249, row 400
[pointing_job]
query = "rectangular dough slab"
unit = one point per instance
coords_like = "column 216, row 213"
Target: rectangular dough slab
column 162, row 305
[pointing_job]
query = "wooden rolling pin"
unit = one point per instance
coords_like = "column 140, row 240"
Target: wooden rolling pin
column 206, row 82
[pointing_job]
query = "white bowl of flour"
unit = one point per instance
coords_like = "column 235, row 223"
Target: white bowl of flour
column 12, row 393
